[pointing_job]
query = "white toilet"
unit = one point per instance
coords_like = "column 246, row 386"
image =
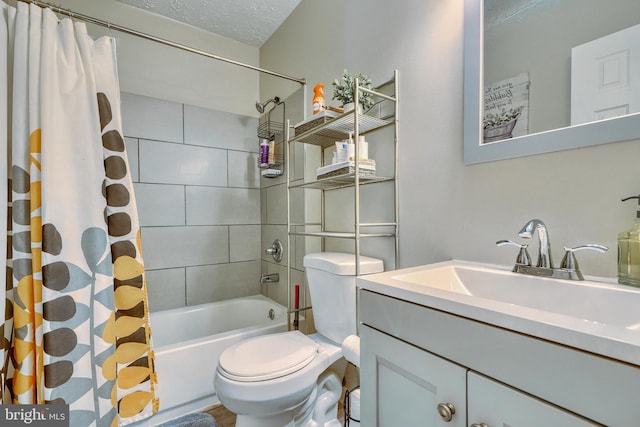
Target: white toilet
column 291, row 379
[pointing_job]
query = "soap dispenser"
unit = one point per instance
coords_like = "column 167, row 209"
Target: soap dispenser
column 629, row 251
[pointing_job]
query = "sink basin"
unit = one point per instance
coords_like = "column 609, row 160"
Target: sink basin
column 599, row 317
column 586, row 300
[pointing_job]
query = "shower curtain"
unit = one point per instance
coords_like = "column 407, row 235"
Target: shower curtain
column 76, row 326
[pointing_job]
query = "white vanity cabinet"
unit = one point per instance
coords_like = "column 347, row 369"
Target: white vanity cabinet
column 415, row 357
column 404, row 385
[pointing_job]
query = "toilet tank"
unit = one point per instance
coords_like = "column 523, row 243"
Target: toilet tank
column 332, row 285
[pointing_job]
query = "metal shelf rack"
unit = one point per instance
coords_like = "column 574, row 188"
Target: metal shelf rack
column 324, row 135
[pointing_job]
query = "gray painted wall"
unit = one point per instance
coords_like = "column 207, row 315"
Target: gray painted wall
column 448, row 210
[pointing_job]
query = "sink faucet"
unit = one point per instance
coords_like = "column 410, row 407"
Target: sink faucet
column 544, row 248
column 568, row 268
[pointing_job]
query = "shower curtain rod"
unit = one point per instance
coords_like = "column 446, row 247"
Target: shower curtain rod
column 132, row 32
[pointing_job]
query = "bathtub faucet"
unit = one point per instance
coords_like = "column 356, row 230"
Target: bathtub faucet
column 270, row 278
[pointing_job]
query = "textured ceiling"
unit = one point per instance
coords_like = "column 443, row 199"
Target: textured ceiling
column 248, row 21
column 497, row 12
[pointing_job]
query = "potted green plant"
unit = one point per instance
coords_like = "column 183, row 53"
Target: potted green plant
column 343, row 90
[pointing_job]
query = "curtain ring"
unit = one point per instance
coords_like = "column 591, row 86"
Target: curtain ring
column 113, row 36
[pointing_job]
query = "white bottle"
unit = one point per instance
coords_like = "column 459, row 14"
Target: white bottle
column 351, row 149
column 363, row 148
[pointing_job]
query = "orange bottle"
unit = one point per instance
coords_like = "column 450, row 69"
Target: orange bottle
column 318, row 99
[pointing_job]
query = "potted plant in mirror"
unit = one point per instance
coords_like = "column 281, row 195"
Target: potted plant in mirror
column 344, row 87
column 500, row 126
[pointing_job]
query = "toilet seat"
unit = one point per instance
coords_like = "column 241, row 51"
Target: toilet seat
column 267, row 357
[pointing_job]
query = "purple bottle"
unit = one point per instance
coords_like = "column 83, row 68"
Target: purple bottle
column 264, row 152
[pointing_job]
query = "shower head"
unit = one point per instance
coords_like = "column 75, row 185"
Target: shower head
column 260, row 107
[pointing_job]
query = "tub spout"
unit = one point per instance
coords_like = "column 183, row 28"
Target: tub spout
column 270, row 278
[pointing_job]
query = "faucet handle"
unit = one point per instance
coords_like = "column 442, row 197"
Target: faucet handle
column 569, row 261
column 275, row 250
column 523, row 256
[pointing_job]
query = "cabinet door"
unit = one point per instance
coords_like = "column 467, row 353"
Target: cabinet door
column 496, row 405
column 403, row 385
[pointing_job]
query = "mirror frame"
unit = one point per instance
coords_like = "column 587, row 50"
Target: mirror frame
column 583, row 135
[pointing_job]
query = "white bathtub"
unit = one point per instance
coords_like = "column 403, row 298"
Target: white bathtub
column 188, row 341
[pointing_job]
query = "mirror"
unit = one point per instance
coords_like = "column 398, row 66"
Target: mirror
column 543, row 134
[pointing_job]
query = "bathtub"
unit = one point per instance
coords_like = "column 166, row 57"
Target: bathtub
column 188, row 342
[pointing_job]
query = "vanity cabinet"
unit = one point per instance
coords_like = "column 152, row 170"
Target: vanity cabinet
column 403, row 385
column 415, row 357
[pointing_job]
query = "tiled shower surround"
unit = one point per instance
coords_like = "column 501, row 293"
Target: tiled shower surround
column 198, row 193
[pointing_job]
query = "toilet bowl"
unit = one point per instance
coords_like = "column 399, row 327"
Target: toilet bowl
column 279, row 397
column 291, row 379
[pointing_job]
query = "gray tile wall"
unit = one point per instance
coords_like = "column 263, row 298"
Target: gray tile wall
column 198, row 194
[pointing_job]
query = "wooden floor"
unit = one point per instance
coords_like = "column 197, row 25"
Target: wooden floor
column 226, row 418
column 223, row 416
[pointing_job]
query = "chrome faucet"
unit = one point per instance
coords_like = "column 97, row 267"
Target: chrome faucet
column 568, row 268
column 544, row 248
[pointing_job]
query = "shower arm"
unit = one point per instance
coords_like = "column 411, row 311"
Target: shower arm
column 261, row 106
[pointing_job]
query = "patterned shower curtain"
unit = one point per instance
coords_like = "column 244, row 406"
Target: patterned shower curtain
column 76, row 326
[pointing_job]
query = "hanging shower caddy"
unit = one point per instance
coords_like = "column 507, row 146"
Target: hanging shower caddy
column 271, row 129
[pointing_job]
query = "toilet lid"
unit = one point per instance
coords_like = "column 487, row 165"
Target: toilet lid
column 267, row 357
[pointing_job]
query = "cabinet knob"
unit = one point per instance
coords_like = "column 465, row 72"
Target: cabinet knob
column 446, row 411
column 479, row 425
